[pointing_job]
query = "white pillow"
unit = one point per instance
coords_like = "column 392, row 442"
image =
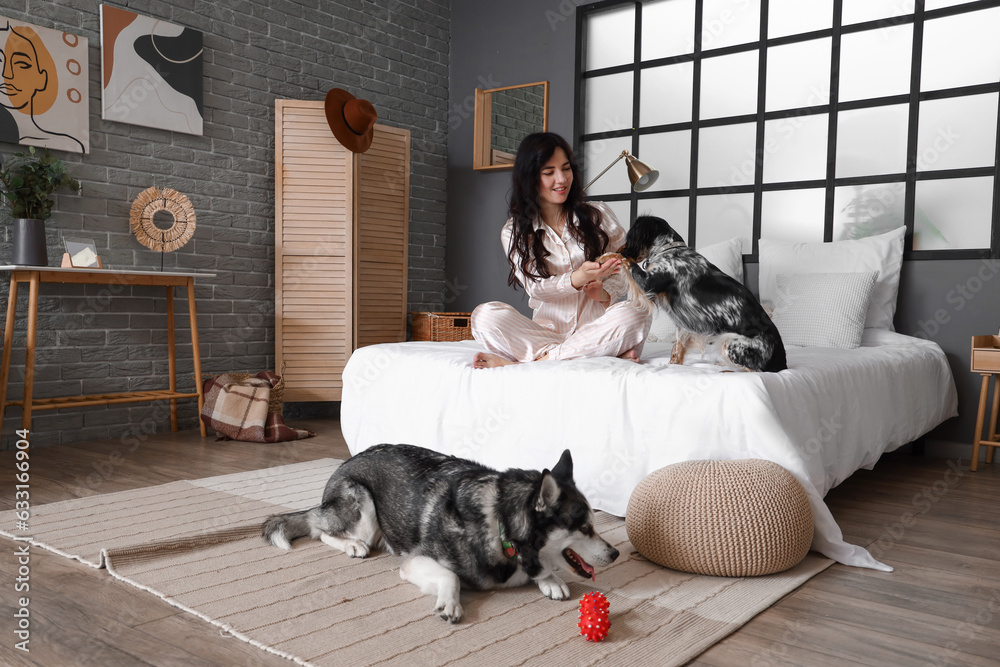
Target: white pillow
column 823, row 309
column 882, row 253
column 728, row 256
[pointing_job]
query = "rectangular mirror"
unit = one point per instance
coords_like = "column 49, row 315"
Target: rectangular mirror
column 505, row 116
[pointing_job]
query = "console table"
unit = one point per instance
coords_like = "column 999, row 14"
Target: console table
column 35, row 276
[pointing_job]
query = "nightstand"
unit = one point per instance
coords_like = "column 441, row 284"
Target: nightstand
column 986, row 360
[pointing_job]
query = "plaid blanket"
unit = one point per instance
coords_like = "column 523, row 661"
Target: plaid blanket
column 241, row 406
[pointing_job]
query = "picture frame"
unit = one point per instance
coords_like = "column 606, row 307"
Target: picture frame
column 81, row 254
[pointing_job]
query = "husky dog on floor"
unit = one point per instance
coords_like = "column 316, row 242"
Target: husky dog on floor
column 711, row 309
column 455, row 521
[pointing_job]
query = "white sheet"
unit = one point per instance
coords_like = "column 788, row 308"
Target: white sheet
column 833, row 411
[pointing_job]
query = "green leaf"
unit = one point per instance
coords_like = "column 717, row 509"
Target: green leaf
column 27, row 182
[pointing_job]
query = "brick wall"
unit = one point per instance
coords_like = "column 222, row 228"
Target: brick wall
column 516, row 114
column 394, row 53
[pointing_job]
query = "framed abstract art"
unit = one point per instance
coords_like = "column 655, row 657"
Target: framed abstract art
column 44, row 92
column 151, row 72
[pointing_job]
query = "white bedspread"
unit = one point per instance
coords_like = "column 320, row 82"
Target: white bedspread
column 833, row 411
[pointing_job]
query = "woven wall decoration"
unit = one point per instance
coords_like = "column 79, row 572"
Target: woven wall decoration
column 149, row 202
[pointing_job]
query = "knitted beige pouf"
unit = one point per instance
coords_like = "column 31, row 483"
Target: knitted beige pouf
column 726, row 518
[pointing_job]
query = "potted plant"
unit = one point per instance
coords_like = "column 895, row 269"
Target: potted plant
column 27, row 182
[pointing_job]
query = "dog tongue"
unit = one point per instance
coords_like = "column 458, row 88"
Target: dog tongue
column 584, row 565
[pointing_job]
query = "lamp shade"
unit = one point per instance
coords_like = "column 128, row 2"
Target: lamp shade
column 640, row 174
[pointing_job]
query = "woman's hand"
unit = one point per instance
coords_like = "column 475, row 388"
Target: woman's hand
column 591, row 271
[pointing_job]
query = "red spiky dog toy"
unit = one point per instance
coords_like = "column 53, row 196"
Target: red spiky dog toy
column 594, row 622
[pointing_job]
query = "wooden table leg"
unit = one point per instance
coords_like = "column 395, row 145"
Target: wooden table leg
column 992, row 433
column 983, row 394
column 171, row 356
column 8, row 344
column 196, row 352
column 29, row 350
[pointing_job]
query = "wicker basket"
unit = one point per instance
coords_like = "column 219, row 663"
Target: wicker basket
column 442, row 326
column 276, row 399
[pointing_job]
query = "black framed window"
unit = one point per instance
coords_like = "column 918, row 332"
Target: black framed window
column 818, row 121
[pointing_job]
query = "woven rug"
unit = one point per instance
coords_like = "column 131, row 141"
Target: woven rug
column 196, row 544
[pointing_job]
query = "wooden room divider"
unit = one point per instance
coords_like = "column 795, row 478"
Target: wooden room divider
column 341, row 242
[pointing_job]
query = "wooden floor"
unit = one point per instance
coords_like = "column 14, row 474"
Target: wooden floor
column 935, row 522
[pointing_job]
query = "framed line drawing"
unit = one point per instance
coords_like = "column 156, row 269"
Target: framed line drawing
column 45, row 91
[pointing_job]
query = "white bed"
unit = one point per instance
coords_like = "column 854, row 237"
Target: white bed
column 832, row 412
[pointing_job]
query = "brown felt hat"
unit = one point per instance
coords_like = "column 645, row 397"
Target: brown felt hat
column 352, row 120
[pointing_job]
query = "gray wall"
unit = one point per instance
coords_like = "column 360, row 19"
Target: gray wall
column 496, row 44
column 393, row 53
column 948, row 302
column 484, row 47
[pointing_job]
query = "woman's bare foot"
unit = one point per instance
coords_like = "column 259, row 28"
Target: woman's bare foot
column 487, row 360
column 631, row 355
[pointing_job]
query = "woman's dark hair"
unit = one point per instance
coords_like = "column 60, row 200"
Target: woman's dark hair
column 535, row 150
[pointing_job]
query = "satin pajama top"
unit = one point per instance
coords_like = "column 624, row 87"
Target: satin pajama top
column 554, row 302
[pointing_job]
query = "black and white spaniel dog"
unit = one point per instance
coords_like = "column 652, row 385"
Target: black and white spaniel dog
column 710, row 308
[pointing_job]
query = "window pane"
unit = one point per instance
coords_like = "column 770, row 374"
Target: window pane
column 610, row 37
column 622, row 211
column 788, row 17
column 723, row 217
column 795, row 148
column 729, row 22
column 953, row 213
column 670, row 154
column 860, row 211
column 872, row 141
column 729, row 85
column 608, row 103
column 667, row 28
column 961, row 50
column 876, row 63
column 859, row 11
column 726, row 155
column 596, row 156
column 958, row 132
column 798, row 75
column 666, row 94
column 792, row 215
column 673, row 209
column 937, row 4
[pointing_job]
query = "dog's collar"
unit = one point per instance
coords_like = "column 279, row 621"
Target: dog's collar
column 509, row 550
column 675, row 244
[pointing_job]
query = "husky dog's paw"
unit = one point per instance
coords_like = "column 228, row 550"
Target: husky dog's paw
column 450, row 610
column 353, row 548
column 553, row 587
column 356, row 549
column 433, row 578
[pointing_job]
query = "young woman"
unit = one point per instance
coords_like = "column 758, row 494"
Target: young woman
column 552, row 240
